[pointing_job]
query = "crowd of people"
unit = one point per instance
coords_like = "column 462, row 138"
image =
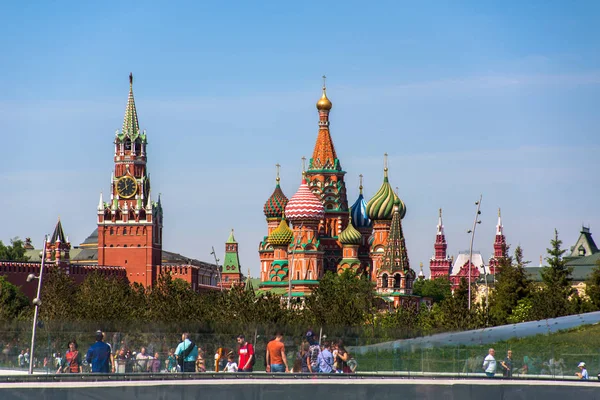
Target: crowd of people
column 312, row 356
column 491, row 366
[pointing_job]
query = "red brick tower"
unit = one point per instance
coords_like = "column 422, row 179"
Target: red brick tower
column 326, row 180
column 500, row 247
column 58, row 247
column 130, row 226
column 440, row 264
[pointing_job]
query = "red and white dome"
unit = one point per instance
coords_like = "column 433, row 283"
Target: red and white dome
column 304, row 205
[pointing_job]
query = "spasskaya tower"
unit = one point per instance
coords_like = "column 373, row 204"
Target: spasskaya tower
column 130, row 225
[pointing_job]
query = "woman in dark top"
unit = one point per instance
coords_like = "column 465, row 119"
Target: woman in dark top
column 342, row 358
column 303, row 357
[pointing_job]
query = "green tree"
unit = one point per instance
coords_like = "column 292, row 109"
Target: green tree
column 592, row 288
column 552, row 300
column 172, row 301
column 103, row 299
column 13, row 303
column 14, row 252
column 438, row 289
column 512, row 285
column 58, row 292
column 342, row 300
column 557, row 275
column 454, row 313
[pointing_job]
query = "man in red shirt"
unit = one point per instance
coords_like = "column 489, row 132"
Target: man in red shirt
column 246, row 352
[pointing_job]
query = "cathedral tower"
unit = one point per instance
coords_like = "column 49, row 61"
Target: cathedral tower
column 58, row 248
column 273, row 210
column 325, row 178
column 440, row 264
column 380, row 210
column 363, row 224
column 305, row 255
column 130, row 225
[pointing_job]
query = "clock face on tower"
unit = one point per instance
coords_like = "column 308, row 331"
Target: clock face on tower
column 126, row 187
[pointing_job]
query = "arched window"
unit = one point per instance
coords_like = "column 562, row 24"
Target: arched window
column 127, row 144
column 124, row 231
column 384, row 281
column 397, row 280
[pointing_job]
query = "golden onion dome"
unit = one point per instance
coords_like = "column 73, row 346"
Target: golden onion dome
column 324, row 104
column 282, row 235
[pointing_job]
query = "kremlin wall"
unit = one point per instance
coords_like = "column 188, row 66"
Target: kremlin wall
column 307, row 235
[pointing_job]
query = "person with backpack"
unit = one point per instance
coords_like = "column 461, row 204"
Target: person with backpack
column 186, row 353
column 247, row 358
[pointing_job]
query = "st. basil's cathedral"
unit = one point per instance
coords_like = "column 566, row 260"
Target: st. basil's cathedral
column 315, row 231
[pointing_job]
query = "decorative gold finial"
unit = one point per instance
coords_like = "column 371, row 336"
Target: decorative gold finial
column 324, row 104
column 248, row 273
column 360, row 187
column 385, row 164
column 131, row 79
column 440, row 213
column 303, row 165
column 277, row 179
column 499, row 212
column 397, row 191
column 421, row 265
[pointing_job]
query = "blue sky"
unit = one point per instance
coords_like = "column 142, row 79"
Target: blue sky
column 467, row 98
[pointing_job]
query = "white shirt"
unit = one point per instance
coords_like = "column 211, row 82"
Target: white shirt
column 489, row 364
column 231, row 367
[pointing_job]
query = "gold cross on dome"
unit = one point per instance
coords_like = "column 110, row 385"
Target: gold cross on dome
column 277, row 166
column 303, row 164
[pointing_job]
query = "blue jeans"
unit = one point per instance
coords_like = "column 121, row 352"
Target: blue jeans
column 490, row 374
column 277, row 368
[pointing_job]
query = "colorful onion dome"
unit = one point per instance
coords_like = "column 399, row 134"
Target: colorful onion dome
column 381, row 206
column 282, row 235
column 358, row 211
column 275, row 205
column 350, row 235
column 324, row 104
column 304, row 205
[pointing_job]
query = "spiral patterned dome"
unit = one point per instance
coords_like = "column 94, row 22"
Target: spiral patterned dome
column 381, row 206
column 282, row 235
column 304, row 205
column 350, row 235
column 358, row 212
column 275, row 205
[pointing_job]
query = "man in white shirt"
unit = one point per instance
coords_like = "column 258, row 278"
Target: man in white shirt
column 489, row 364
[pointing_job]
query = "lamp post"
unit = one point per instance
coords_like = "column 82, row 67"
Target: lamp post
column 36, row 302
column 218, row 267
column 472, row 232
column 291, row 268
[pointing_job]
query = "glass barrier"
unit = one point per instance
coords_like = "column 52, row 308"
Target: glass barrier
column 147, row 348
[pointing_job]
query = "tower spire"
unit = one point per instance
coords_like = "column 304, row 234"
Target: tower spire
column 360, row 187
column 324, row 155
column 440, row 226
column 130, row 121
column 385, row 166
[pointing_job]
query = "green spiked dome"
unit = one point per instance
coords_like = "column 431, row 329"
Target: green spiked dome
column 350, row 235
column 381, row 206
column 282, row 235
